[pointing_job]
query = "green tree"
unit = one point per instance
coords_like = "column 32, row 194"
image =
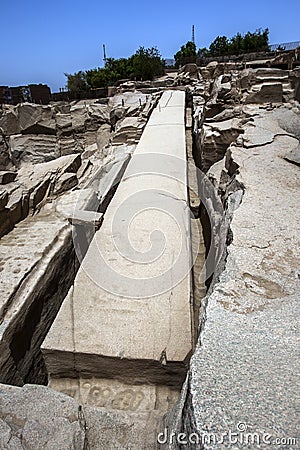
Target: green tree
column 114, row 70
column 97, row 78
column 257, row 41
column 146, row 64
column 202, row 54
column 219, row 47
column 186, row 54
column 236, row 45
column 118, row 68
column 76, row 82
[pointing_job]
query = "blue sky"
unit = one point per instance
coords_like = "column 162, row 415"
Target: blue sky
column 40, row 40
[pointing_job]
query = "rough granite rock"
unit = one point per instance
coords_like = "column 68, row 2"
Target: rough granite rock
column 28, row 118
column 65, row 182
column 244, row 377
column 35, row 119
column 36, row 133
column 36, row 417
column 103, row 136
column 116, row 114
column 33, row 148
column 128, row 130
column 294, row 156
column 266, row 92
column 191, row 70
column 33, row 184
column 9, row 121
column 214, row 139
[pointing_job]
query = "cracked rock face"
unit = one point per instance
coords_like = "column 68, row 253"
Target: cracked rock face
column 36, row 417
column 35, row 140
column 245, row 369
column 35, row 133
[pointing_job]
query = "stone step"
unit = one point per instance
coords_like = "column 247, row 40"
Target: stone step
column 267, row 72
column 271, row 78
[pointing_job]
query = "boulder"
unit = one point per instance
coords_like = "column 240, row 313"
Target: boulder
column 128, row 130
column 226, row 78
column 35, row 119
column 212, row 65
column 265, row 93
column 32, row 176
column 191, row 70
column 89, row 151
column 289, row 120
column 43, row 127
column 33, row 184
column 116, row 114
column 88, row 117
column 246, row 78
column 224, row 90
column 79, row 115
column 9, row 122
column 212, row 68
column 295, row 80
column 205, row 73
column 39, row 193
column 70, row 163
column 36, row 417
column 228, row 113
column 216, row 138
column 98, row 113
column 78, row 130
column 87, row 138
column 15, row 206
column 219, row 70
column 33, row 148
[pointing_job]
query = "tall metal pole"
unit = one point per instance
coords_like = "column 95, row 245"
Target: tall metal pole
column 104, row 54
column 193, row 34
